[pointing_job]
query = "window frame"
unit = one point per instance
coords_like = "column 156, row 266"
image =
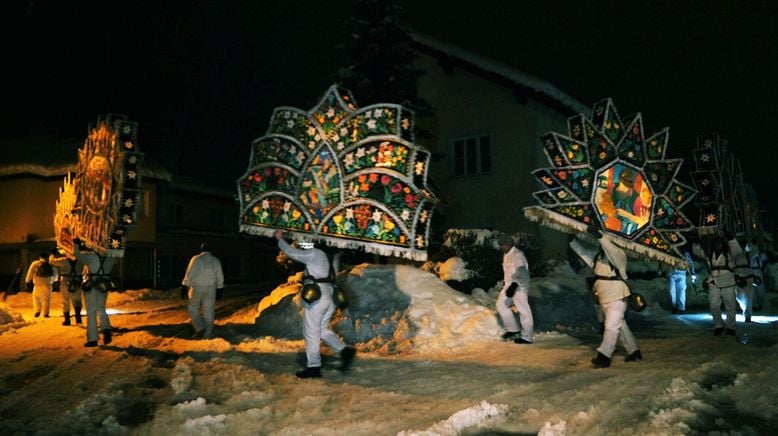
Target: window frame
column 463, row 161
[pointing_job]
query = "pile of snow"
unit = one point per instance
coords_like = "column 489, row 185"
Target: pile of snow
column 391, row 308
column 477, row 417
column 454, row 268
column 9, row 319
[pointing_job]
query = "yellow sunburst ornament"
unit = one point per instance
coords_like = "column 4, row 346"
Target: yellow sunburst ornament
column 99, row 203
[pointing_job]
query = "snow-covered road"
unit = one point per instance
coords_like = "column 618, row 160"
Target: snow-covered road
column 153, row 380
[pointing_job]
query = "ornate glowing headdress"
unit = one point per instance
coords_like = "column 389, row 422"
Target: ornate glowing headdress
column 348, row 177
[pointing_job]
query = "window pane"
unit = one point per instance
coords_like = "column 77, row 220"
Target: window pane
column 472, row 156
column 486, row 156
column 459, row 158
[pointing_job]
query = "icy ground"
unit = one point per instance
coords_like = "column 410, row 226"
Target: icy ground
column 154, row 380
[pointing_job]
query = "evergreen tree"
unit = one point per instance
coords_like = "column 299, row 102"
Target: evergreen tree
column 380, row 59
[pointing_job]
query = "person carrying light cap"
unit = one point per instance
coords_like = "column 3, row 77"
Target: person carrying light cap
column 514, row 292
column 318, row 306
column 203, row 284
column 610, row 274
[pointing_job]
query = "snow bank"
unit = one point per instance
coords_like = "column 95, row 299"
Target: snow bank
column 454, row 268
column 9, row 319
column 479, row 416
column 391, row 308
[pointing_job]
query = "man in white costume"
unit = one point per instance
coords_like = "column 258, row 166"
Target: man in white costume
column 514, row 292
column 97, row 269
column 318, row 311
column 758, row 262
column 40, row 277
column 721, row 284
column 203, row 284
column 69, row 275
column 612, row 291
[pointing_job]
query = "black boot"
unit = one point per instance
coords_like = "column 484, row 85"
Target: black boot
column 718, row 331
column 601, row 361
column 37, row 314
column 107, row 337
column 67, row 318
column 346, row 357
column 729, row 332
column 634, row 357
column 91, row 344
column 311, row 372
column 509, row 335
column 78, row 315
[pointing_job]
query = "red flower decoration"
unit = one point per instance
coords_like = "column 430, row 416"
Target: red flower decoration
column 385, row 180
column 397, row 187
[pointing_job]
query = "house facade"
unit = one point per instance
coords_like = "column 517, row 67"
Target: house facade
column 176, row 214
column 485, row 132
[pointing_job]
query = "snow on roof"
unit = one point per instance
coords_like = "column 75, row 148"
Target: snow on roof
column 44, row 156
column 509, row 73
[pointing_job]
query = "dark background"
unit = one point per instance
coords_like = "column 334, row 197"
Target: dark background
column 201, row 78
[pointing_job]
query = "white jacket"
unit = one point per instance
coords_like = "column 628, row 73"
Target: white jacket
column 205, row 269
column 722, row 267
column 515, row 269
column 91, row 261
column 315, row 260
column 612, row 263
column 32, row 275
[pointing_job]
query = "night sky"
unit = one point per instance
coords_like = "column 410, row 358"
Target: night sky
column 201, row 78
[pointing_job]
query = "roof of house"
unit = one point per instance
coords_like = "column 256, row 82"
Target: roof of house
column 45, row 156
column 500, row 73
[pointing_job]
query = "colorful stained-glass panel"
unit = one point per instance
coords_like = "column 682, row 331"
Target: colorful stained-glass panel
column 276, row 211
column 337, row 160
column 626, row 187
column 632, row 148
column 378, row 154
column 656, row 145
column 578, row 180
column 279, row 149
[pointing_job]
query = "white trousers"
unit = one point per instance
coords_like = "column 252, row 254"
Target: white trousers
column 70, row 299
column 746, row 298
column 202, row 297
column 616, row 329
column 678, row 291
column 95, row 308
column 715, row 297
column 41, row 299
column 521, row 301
column 316, row 327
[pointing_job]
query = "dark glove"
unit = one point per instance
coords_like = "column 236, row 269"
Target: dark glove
column 184, row 292
column 29, row 286
column 219, row 293
column 511, row 291
column 740, row 281
column 706, row 285
column 594, row 232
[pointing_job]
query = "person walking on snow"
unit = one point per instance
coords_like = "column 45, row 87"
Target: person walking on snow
column 514, row 292
column 758, row 261
column 40, row 277
column 203, row 284
column 721, row 284
column 677, row 282
column 317, row 312
column 611, row 289
column 69, row 275
column 97, row 270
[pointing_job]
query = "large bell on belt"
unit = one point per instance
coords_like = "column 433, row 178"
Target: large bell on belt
column 310, row 292
column 339, row 297
column 637, row 302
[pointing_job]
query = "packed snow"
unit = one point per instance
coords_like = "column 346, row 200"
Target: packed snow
column 430, row 363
